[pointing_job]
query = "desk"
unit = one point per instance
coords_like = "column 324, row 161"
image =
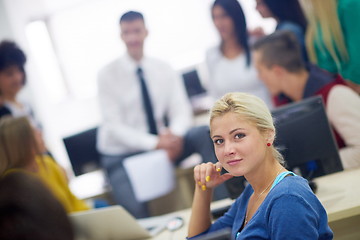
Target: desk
column 340, row 195
column 338, row 192
column 185, row 214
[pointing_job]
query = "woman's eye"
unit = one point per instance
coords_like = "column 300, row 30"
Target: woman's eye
column 239, row 135
column 218, row 141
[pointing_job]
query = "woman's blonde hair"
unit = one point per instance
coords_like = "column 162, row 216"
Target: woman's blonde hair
column 324, row 22
column 250, row 107
column 18, row 144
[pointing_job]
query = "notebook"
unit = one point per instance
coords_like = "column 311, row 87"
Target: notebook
column 112, row 222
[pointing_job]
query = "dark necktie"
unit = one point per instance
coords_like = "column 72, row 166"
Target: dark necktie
column 147, row 102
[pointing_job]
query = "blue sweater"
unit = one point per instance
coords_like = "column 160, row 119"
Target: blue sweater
column 289, row 211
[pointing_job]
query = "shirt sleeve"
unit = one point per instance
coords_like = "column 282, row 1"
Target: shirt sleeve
column 226, row 221
column 289, row 217
column 343, row 110
column 349, row 14
column 213, row 55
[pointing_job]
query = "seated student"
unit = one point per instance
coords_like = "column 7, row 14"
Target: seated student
column 12, row 81
column 20, row 151
column 278, row 60
column 28, row 210
column 277, row 204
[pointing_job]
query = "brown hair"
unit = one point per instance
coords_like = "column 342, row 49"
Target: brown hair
column 280, row 48
column 28, row 210
column 18, row 143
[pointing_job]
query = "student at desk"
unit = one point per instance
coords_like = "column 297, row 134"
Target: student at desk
column 276, row 204
column 278, row 61
column 20, row 151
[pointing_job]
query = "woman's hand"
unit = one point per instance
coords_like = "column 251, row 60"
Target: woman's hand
column 208, row 175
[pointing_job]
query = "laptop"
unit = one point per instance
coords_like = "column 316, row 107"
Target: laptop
column 114, row 222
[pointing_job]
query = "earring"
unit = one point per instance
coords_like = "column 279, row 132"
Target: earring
column 268, row 144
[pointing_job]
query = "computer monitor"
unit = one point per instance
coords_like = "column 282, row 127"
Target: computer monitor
column 81, row 149
column 192, row 83
column 197, row 94
column 305, row 139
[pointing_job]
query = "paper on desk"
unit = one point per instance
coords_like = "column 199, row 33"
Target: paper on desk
column 151, row 174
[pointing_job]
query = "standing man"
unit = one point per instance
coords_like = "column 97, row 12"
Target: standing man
column 144, row 107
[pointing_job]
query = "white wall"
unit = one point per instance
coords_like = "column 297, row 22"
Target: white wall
column 5, row 29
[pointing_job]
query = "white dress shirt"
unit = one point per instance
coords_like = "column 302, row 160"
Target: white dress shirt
column 124, row 128
column 233, row 75
column 343, row 110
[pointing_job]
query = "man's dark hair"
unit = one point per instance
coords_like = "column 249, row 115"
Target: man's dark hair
column 11, row 55
column 131, row 16
column 280, row 48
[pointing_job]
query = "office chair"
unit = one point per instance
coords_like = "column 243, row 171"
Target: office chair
column 81, row 149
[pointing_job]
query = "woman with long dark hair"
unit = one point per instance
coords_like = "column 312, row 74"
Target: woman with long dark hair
column 229, row 63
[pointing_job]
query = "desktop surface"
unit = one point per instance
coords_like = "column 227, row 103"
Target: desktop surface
column 340, row 194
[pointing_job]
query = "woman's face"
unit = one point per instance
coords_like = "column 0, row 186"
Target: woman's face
column 263, row 9
column 11, row 81
column 239, row 146
column 223, row 23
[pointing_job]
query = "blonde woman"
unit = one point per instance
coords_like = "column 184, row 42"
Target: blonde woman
column 276, row 204
column 20, row 151
column 332, row 38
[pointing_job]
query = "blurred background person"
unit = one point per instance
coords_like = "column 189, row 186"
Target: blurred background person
column 144, row 108
column 12, row 80
column 278, row 60
column 229, row 64
column 332, row 38
column 20, row 149
column 288, row 16
column 28, row 210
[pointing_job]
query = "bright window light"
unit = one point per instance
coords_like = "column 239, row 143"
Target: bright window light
column 51, row 80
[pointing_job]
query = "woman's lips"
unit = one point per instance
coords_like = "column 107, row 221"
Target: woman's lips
column 234, row 162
